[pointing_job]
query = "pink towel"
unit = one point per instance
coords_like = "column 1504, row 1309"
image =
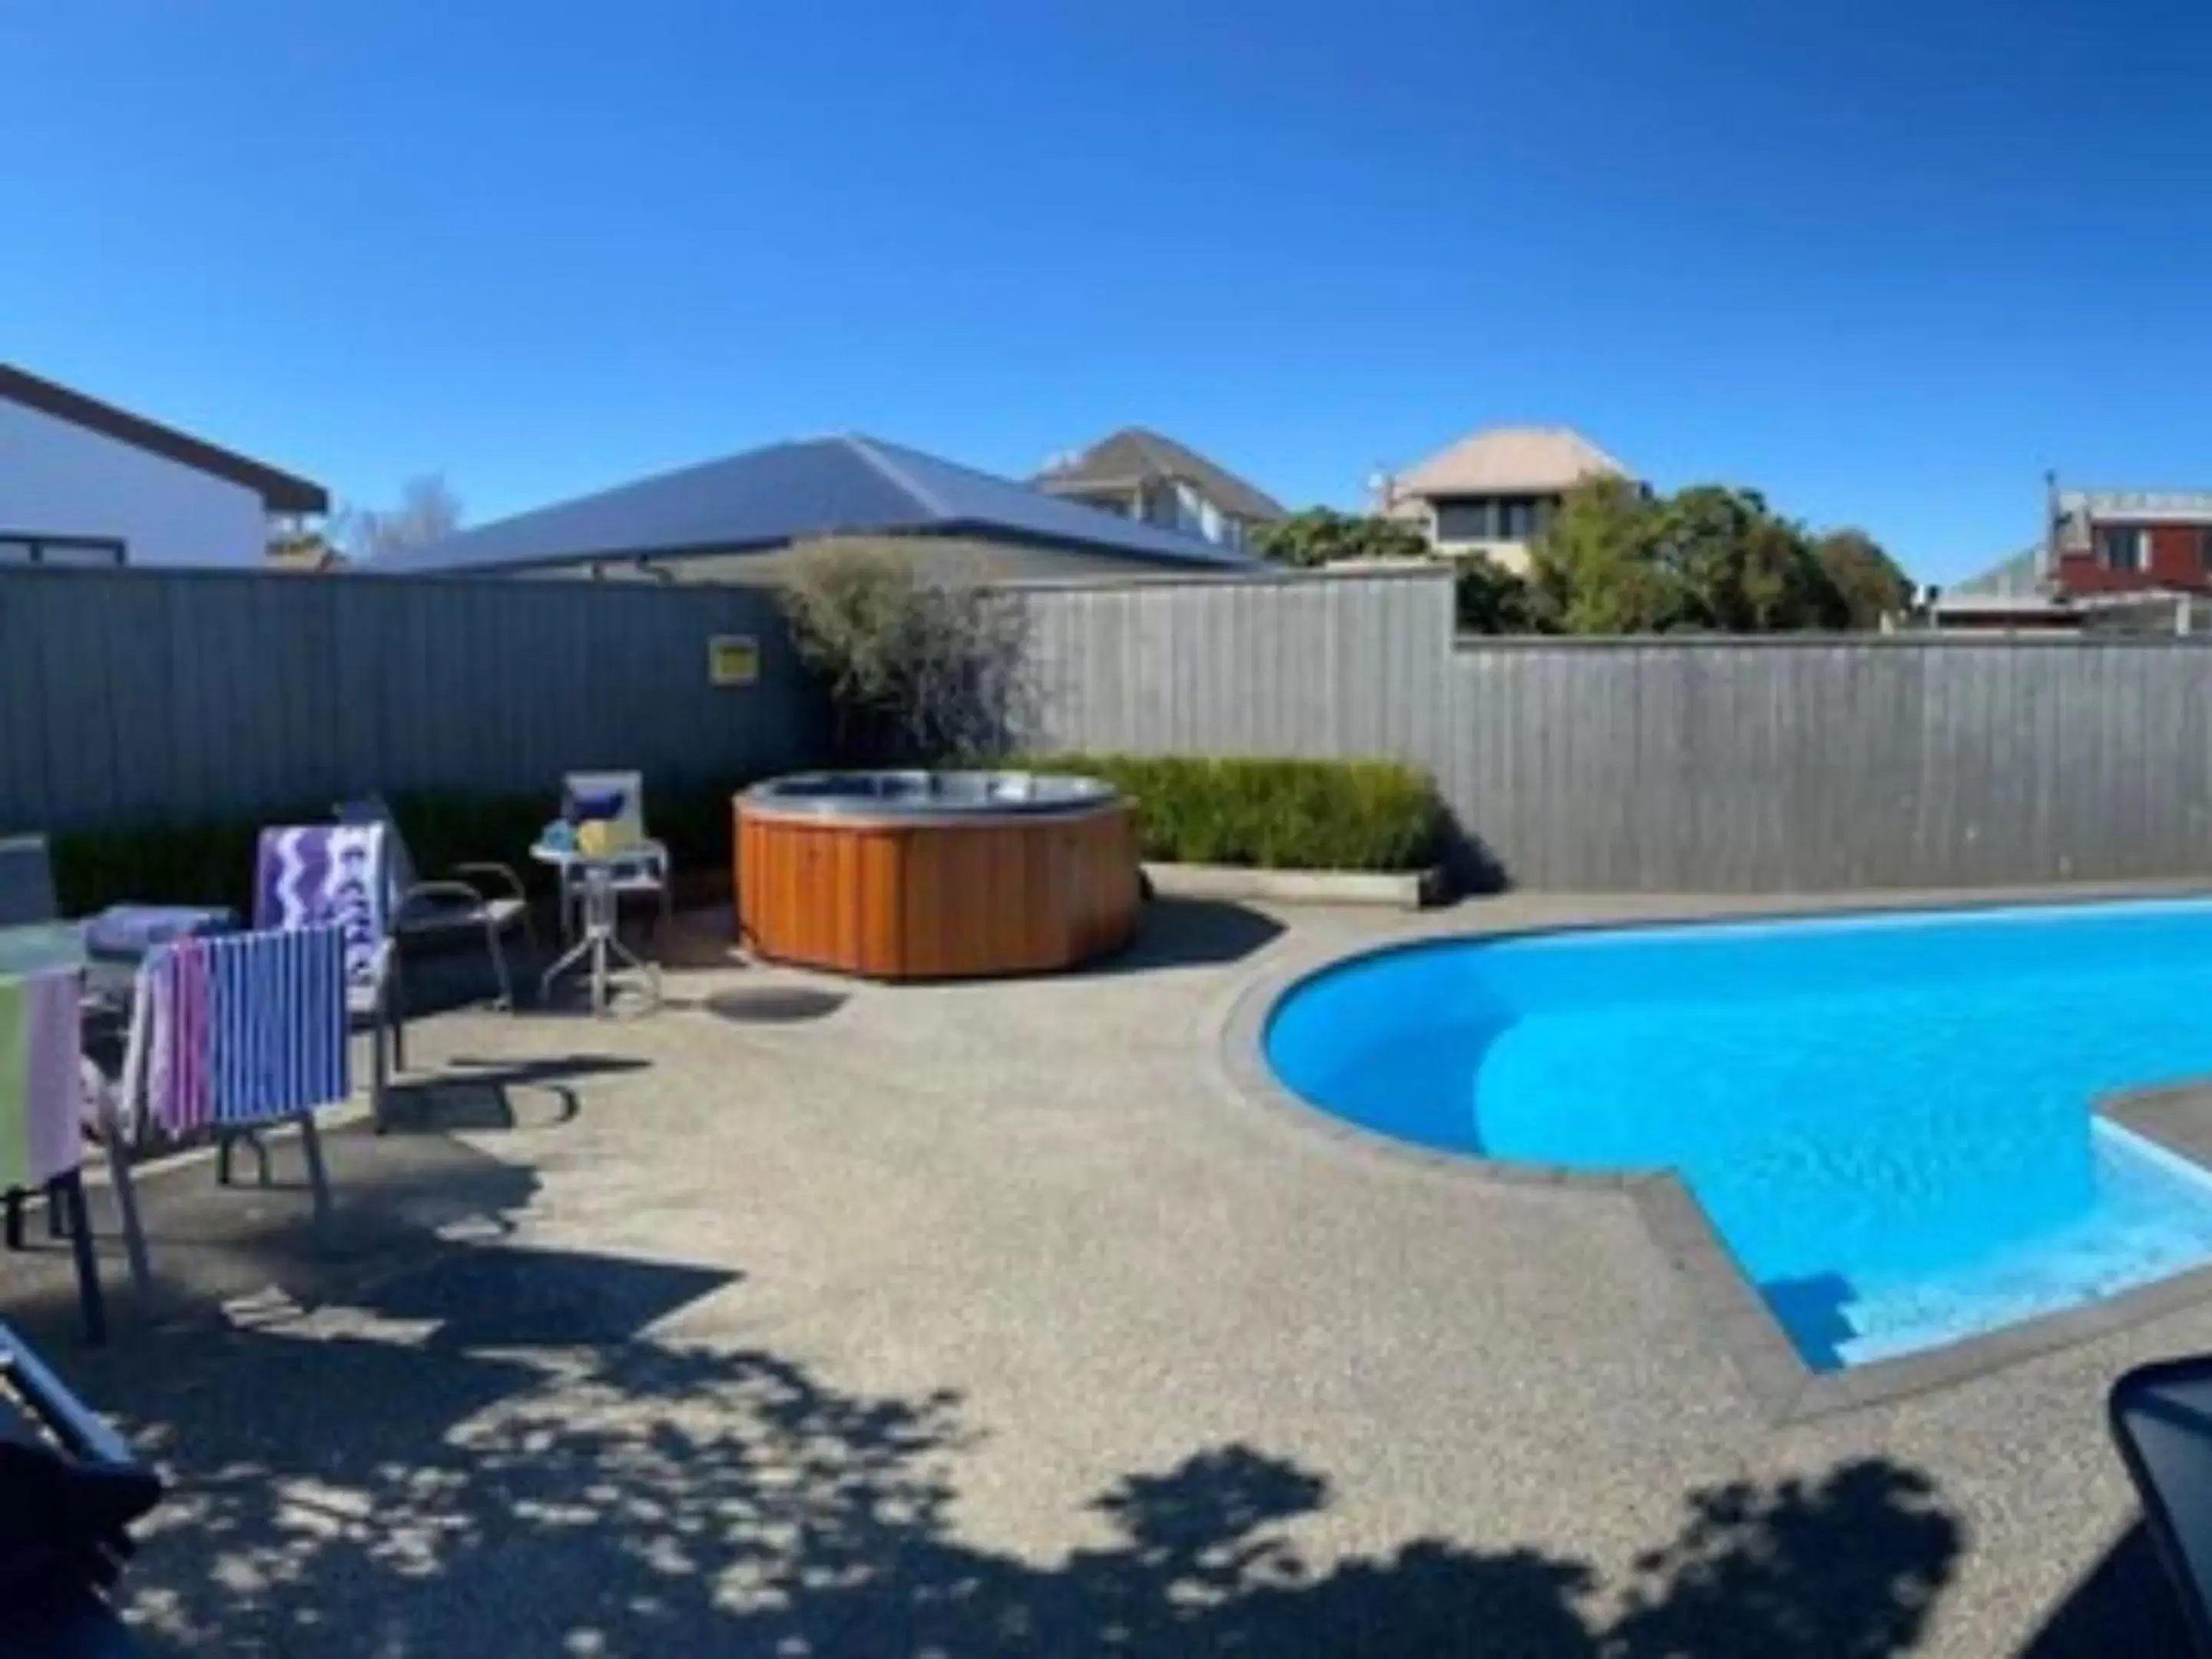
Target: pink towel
column 40, row 1109
column 172, row 987
column 56, row 1045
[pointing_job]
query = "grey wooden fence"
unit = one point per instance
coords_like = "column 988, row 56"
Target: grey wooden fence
column 1824, row 764
column 178, row 695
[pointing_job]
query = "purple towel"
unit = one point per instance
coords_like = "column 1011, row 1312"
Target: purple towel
column 309, row 875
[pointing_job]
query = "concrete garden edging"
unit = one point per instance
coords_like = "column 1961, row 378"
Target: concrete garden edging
column 1410, row 890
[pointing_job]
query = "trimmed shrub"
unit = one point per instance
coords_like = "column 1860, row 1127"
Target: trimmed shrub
column 1273, row 814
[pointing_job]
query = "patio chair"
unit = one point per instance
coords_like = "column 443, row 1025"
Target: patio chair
column 70, row 1492
column 2162, row 1419
column 309, row 875
column 229, row 1036
column 26, row 882
column 454, row 903
column 644, row 867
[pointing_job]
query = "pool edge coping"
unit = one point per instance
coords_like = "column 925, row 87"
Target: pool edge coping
column 2176, row 1117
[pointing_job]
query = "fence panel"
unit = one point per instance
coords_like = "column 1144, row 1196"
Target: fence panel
column 1832, row 764
column 136, row 695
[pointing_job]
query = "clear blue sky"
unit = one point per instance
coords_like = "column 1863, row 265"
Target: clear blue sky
column 1885, row 260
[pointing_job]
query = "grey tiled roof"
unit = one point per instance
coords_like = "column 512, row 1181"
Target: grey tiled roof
column 787, row 492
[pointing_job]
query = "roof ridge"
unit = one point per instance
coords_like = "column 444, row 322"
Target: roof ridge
column 870, row 451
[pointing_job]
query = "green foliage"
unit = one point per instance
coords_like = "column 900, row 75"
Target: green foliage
column 1864, row 576
column 1596, row 569
column 205, row 863
column 1709, row 558
column 1488, row 599
column 1320, row 536
column 1273, row 814
column 914, row 671
column 211, row 862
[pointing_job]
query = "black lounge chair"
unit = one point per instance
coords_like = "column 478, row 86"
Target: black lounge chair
column 2161, row 1417
column 70, row 1492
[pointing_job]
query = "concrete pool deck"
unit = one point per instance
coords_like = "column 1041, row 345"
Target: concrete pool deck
column 817, row 1318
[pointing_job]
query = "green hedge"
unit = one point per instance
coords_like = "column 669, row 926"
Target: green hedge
column 212, row 862
column 1273, row 814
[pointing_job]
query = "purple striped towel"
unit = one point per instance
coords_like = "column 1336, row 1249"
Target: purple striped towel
column 242, row 1029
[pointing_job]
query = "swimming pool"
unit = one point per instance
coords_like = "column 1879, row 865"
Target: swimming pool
column 1886, row 1118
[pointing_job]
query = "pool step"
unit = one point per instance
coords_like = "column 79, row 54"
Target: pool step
column 1906, row 1318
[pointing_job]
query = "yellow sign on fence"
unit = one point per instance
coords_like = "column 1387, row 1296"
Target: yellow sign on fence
column 733, row 659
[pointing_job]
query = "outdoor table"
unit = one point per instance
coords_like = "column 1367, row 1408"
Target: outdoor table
column 34, row 947
column 593, row 876
column 37, row 947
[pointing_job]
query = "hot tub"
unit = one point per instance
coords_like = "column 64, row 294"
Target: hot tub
column 935, row 875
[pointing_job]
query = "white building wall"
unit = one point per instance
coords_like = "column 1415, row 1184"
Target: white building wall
column 58, row 478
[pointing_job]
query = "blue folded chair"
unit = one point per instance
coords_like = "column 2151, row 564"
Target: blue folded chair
column 2162, row 1419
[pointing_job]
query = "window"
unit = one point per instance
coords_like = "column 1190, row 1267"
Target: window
column 1464, row 521
column 36, row 546
column 1473, row 519
column 2119, row 546
column 1493, row 518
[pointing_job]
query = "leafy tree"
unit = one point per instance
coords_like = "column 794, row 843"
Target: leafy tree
column 1321, row 536
column 1488, row 599
column 1866, row 578
column 1744, row 570
column 1597, row 569
column 1710, row 557
column 428, row 511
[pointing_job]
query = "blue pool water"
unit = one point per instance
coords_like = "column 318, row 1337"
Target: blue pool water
column 1886, row 1118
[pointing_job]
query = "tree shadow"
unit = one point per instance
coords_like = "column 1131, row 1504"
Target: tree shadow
column 495, row 1453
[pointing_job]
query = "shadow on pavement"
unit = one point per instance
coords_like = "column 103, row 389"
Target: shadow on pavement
column 467, row 1093
column 493, row 1453
column 1183, row 932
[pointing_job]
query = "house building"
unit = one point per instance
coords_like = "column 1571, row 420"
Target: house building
column 2010, row 596
column 1155, row 480
column 2108, row 558
column 2129, row 541
column 84, row 483
column 1494, row 492
column 739, row 519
